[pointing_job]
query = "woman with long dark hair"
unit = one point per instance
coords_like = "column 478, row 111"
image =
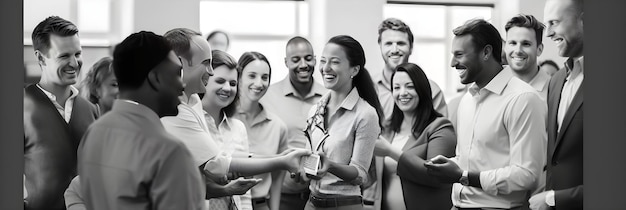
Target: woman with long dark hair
column 416, row 133
column 343, row 127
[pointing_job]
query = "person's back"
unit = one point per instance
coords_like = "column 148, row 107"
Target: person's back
column 126, row 159
column 129, row 152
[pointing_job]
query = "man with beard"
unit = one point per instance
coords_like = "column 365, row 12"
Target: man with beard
column 291, row 99
column 501, row 126
column 396, row 45
column 55, row 118
column 522, row 47
column 564, row 180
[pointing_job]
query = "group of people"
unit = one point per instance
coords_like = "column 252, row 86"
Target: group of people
column 169, row 122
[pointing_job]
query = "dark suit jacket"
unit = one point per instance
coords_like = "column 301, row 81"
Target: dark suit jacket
column 50, row 146
column 420, row 190
column 564, row 172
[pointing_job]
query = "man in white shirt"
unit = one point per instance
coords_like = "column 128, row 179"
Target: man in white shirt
column 564, row 169
column 522, row 47
column 191, row 128
column 189, row 125
column 501, row 127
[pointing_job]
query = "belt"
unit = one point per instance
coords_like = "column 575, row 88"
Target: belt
column 256, row 201
column 335, row 202
column 302, row 195
column 368, row 202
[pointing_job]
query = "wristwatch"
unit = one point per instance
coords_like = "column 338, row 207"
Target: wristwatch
column 464, row 180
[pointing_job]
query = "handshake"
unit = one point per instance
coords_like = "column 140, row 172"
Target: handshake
column 310, row 166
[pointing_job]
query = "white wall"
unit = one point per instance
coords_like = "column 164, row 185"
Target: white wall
column 163, row 15
column 356, row 18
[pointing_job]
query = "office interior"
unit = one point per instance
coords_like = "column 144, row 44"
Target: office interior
column 266, row 25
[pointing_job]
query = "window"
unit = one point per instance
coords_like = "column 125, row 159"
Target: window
column 262, row 26
column 92, row 17
column 432, row 28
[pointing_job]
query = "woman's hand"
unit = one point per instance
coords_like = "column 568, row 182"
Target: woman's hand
column 292, row 159
column 325, row 166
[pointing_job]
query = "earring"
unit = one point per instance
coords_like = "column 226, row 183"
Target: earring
column 352, row 77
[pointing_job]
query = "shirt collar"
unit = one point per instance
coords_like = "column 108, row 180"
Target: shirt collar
column 380, row 79
column 225, row 121
column 575, row 66
column 125, row 105
column 262, row 116
column 497, row 83
column 73, row 93
column 350, row 101
column 288, row 88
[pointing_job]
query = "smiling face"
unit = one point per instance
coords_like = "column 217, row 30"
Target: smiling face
column 221, row 87
column 198, row 68
column 395, row 48
column 62, row 63
column 404, row 92
column 254, row 80
column 466, row 59
column 522, row 49
column 335, row 69
column 565, row 27
column 300, row 62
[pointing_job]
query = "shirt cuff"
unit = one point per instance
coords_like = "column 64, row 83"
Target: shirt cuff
column 487, row 182
column 550, row 198
column 219, row 165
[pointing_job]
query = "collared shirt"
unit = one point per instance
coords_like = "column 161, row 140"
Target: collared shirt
column 501, row 134
column 64, row 111
column 386, row 99
column 292, row 108
column 576, row 74
column 128, row 161
column 267, row 136
column 231, row 137
column 191, row 128
column 352, row 133
column 540, row 83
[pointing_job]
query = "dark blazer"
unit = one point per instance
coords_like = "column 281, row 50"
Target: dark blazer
column 50, row 146
column 420, row 190
column 564, row 172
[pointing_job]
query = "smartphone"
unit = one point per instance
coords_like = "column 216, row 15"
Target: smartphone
column 311, row 164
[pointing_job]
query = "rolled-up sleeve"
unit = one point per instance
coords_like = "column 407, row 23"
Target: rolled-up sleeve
column 365, row 137
column 525, row 119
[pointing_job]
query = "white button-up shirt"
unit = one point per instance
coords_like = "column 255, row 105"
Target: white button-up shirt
column 66, row 110
column 502, row 135
column 572, row 83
